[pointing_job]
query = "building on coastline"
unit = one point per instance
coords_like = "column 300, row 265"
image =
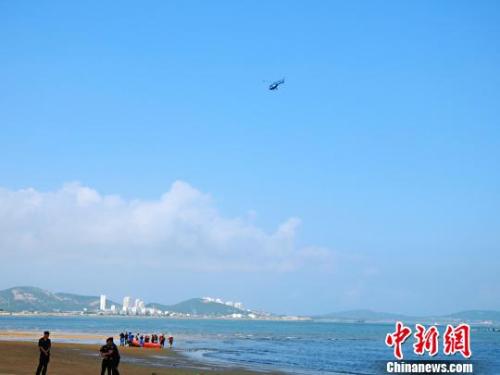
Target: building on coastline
column 102, row 304
column 138, row 308
column 126, row 304
column 237, row 305
column 141, row 308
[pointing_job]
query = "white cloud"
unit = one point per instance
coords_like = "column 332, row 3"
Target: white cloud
column 182, row 229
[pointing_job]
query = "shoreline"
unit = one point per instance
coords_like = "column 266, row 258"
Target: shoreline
column 20, row 356
column 88, row 345
column 177, row 317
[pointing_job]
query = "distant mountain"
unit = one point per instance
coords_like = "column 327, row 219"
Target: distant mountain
column 362, row 315
column 198, row 306
column 26, row 298
column 475, row 315
column 471, row 316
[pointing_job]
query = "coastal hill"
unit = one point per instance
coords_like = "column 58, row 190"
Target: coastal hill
column 27, row 298
column 198, row 306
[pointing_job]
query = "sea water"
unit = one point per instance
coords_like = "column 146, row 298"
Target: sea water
column 304, row 347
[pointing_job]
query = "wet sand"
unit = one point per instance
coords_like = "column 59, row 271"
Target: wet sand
column 21, row 357
column 61, row 336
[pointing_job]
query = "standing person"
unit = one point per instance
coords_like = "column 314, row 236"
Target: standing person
column 170, row 340
column 105, row 365
column 126, row 338
column 110, row 358
column 122, row 339
column 44, row 346
column 162, row 340
column 114, row 356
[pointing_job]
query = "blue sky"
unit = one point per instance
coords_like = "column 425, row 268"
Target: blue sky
column 384, row 140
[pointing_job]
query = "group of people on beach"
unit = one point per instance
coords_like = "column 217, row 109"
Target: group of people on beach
column 129, row 339
column 109, row 352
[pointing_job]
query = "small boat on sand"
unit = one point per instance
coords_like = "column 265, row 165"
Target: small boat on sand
column 148, row 345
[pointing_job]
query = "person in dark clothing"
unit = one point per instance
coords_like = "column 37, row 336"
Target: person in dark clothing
column 110, row 358
column 105, row 365
column 44, row 345
column 170, row 340
column 162, row 340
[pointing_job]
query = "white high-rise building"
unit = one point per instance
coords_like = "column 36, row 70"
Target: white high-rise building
column 102, row 305
column 126, row 304
column 141, row 308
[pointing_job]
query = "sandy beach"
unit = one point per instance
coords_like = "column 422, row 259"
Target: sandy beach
column 19, row 355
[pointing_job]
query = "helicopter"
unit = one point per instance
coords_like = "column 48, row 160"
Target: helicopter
column 274, row 86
